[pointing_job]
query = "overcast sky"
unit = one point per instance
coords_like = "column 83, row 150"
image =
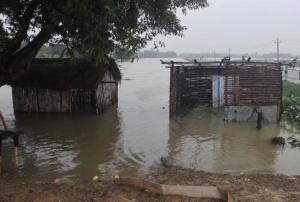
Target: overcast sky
column 245, row 26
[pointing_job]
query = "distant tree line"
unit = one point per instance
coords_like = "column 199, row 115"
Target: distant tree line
column 59, row 51
column 55, row 51
column 156, row 54
column 172, row 54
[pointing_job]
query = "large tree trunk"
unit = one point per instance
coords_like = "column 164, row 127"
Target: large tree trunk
column 15, row 64
column 14, row 60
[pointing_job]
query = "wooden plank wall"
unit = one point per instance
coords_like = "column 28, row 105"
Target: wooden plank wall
column 261, row 86
column 190, row 87
column 82, row 100
column 40, row 100
column 106, row 93
column 74, row 100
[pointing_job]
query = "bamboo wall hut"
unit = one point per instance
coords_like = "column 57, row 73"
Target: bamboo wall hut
column 241, row 88
column 66, row 85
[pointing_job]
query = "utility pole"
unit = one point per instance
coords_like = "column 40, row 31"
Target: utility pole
column 278, row 49
column 229, row 52
column 214, row 55
column 278, row 56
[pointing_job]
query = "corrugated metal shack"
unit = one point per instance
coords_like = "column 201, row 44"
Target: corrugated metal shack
column 66, row 85
column 241, row 88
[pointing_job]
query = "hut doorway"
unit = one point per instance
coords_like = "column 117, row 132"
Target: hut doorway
column 217, row 91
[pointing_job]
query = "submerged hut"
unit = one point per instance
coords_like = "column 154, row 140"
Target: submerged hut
column 66, row 85
column 243, row 89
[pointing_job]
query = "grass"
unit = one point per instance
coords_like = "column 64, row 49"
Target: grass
column 290, row 90
column 291, row 104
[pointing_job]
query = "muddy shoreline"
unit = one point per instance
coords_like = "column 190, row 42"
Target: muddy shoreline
column 244, row 187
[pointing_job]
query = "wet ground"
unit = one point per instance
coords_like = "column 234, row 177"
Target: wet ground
column 132, row 136
column 242, row 187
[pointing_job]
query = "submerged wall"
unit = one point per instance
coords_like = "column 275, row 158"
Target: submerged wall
column 271, row 114
column 41, row 100
column 74, row 100
column 47, row 100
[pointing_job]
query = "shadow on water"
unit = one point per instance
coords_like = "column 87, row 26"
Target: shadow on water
column 70, row 145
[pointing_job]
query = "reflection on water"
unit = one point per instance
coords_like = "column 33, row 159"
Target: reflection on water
column 235, row 147
column 69, row 145
column 131, row 137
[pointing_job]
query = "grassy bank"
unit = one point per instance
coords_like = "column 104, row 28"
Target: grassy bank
column 291, row 104
column 290, row 94
column 291, row 100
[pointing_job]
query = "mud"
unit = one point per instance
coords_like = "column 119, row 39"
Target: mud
column 243, row 187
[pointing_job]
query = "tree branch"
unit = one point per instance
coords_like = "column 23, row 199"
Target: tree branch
column 20, row 61
column 24, row 24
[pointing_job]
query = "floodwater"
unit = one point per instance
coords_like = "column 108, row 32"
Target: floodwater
column 132, row 136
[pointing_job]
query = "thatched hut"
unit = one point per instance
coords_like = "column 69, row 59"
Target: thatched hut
column 66, row 85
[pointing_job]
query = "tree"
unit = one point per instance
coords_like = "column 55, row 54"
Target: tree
column 124, row 54
column 94, row 28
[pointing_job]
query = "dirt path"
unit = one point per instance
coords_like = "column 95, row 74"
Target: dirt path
column 244, row 187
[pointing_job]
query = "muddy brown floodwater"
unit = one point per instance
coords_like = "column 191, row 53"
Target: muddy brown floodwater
column 132, row 136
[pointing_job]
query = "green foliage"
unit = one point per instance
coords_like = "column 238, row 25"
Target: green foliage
column 123, row 54
column 291, row 89
column 294, row 142
column 290, row 94
column 54, row 51
column 95, row 28
column 291, row 100
column 291, row 104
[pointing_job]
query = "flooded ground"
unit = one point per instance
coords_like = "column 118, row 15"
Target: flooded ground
column 132, row 136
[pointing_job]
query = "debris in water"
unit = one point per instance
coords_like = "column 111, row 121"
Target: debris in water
column 96, row 178
column 166, row 162
column 294, row 142
column 201, row 140
column 278, row 141
column 116, row 177
column 260, row 118
column 57, row 180
column 291, row 179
